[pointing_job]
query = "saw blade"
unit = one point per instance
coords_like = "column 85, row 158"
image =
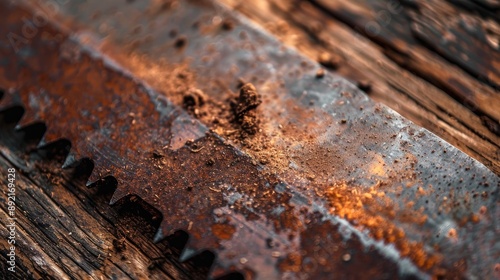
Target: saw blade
column 282, row 172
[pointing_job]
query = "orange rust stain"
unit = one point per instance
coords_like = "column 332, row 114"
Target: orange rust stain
column 223, row 231
column 483, row 210
column 452, row 233
column 377, row 167
column 349, row 202
column 288, row 220
column 475, row 218
column 292, row 263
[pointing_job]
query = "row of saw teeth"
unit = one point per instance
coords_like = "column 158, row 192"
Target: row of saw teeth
column 12, row 109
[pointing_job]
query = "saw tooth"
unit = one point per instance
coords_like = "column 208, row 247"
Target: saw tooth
column 27, row 120
column 159, row 236
column 90, row 183
column 118, row 195
column 194, row 246
column 42, row 143
column 190, row 250
column 165, row 229
column 97, row 175
column 48, row 138
column 71, row 161
column 188, row 253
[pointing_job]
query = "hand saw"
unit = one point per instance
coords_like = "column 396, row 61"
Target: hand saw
column 280, row 169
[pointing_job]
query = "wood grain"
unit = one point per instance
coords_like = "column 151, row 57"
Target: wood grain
column 415, row 31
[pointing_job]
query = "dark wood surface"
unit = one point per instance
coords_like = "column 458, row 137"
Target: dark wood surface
column 434, row 62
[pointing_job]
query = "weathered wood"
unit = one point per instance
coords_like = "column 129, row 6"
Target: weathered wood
column 68, row 231
column 394, row 27
column 463, row 38
column 487, row 8
column 389, row 73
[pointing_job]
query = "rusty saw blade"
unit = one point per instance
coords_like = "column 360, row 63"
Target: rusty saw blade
column 282, row 171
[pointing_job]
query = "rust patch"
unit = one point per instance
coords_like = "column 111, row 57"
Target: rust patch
column 292, row 262
column 223, row 231
column 371, row 209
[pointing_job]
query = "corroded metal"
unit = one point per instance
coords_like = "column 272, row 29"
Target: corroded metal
column 329, row 184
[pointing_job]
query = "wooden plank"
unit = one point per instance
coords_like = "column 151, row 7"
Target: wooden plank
column 68, row 231
column 465, row 39
column 487, row 8
column 363, row 61
column 394, row 26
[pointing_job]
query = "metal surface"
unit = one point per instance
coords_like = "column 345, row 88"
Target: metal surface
column 330, row 184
